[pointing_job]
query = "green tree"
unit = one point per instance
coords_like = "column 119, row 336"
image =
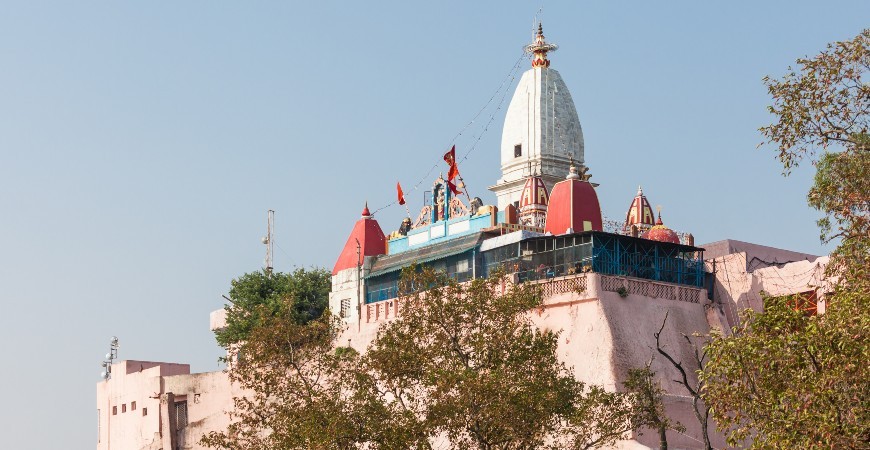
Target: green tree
column 650, row 396
column 301, row 393
column 467, row 360
column 783, row 378
column 842, row 191
column 462, row 363
column 257, row 296
column 788, row 380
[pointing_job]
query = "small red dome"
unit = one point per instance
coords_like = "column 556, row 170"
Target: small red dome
column 573, row 207
column 661, row 233
column 368, row 235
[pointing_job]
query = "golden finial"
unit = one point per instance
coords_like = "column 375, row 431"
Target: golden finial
column 539, row 49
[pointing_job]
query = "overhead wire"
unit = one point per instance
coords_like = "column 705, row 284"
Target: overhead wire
column 507, row 81
column 283, row 251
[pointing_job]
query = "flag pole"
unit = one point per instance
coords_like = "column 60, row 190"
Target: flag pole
column 401, row 198
column 465, row 189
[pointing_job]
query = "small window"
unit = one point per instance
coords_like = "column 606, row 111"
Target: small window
column 462, row 266
column 518, row 150
column 144, row 411
column 345, row 308
column 180, row 415
column 132, row 406
column 114, row 410
column 123, row 408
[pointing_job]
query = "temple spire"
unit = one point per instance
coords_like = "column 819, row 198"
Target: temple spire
column 539, row 49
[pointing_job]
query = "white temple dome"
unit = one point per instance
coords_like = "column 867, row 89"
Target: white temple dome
column 541, row 128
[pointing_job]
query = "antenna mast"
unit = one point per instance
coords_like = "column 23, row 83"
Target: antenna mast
column 268, row 241
column 110, row 358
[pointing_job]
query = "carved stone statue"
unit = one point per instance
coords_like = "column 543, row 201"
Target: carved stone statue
column 405, row 227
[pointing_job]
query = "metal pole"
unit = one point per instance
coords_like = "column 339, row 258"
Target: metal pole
column 358, row 281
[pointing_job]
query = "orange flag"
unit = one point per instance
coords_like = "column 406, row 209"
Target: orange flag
column 400, row 193
column 450, row 159
column 452, row 187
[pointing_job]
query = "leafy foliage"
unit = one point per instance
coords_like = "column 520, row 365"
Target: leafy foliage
column 842, row 191
column 462, row 364
column 468, row 360
column 258, row 296
column 788, row 380
column 827, row 102
column 299, row 393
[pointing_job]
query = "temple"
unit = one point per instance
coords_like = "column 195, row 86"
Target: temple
column 607, row 285
column 546, row 222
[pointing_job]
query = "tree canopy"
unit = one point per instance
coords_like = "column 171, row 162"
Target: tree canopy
column 826, row 103
column 467, row 358
column 462, row 365
column 299, row 296
column 788, row 380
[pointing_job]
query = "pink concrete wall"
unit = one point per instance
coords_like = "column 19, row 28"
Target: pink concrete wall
column 735, row 289
column 208, row 395
column 121, row 427
column 604, row 335
column 217, row 319
column 209, row 399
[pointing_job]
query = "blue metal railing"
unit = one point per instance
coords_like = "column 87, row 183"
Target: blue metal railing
column 389, row 292
column 382, row 294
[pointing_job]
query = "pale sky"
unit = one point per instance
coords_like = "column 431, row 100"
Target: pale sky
column 141, row 144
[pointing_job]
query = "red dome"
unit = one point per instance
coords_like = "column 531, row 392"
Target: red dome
column 661, row 233
column 372, row 242
column 573, row 206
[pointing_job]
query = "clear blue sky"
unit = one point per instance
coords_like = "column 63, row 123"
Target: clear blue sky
column 141, row 144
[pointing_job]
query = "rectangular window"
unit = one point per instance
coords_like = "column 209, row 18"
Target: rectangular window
column 144, row 411
column 114, row 410
column 462, row 266
column 180, row 415
column 132, row 406
column 518, row 150
column 345, row 308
